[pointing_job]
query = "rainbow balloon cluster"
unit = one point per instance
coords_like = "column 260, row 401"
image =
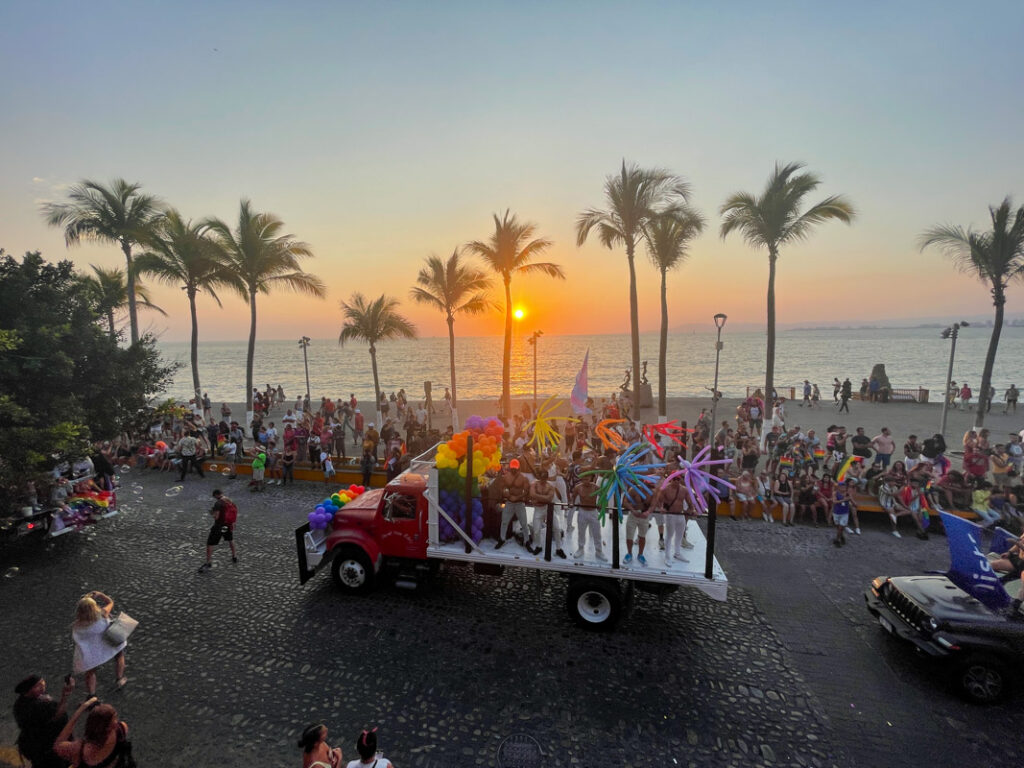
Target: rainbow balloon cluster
column 455, row 464
column 321, row 517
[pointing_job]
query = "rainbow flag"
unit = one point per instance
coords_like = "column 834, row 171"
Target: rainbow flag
column 819, row 453
column 846, row 465
column 786, row 461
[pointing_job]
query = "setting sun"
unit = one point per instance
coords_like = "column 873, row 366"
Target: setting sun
column 519, row 313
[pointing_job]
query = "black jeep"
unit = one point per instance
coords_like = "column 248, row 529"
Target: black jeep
column 982, row 648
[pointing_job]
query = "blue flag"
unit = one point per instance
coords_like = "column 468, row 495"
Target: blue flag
column 969, row 568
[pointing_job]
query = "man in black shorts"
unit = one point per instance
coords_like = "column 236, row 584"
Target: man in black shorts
column 224, row 514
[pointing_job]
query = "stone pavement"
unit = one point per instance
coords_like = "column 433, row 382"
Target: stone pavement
column 227, row 667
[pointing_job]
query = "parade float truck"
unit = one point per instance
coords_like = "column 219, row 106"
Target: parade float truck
column 403, row 534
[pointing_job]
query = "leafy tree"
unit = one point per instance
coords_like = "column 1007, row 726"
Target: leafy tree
column 262, row 258
column 373, row 322
column 633, row 197
column 112, row 294
column 182, row 253
column 64, row 379
column 775, row 219
column 118, row 213
column 996, row 258
column 452, row 287
column 668, row 237
column 511, row 250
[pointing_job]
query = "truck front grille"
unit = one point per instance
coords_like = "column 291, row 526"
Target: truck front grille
column 905, row 608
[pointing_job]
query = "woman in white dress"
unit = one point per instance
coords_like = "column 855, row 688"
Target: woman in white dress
column 92, row 617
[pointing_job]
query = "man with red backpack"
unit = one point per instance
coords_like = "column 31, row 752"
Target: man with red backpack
column 225, row 513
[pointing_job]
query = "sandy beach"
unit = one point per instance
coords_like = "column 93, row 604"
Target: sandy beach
column 903, row 419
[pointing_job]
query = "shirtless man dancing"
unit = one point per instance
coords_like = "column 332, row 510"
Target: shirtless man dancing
column 515, row 491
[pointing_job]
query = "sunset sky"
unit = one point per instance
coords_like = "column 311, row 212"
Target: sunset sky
column 383, row 132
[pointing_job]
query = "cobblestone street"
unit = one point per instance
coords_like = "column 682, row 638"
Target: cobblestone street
column 228, row 666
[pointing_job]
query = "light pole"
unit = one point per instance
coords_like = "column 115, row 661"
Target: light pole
column 949, row 333
column 304, row 343
column 533, row 342
column 709, row 559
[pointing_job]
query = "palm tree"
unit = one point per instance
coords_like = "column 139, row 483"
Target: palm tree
column 374, row 322
column 509, row 251
column 633, row 198
column 452, row 287
column 118, row 213
column 111, row 290
column 668, row 237
column 996, row 258
column 773, row 220
column 183, row 253
column 261, row 259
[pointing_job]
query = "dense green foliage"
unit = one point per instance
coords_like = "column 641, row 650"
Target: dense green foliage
column 63, row 379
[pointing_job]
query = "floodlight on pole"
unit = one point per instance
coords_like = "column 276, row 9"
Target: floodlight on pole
column 304, row 343
column 709, row 559
column 533, row 342
column 951, row 332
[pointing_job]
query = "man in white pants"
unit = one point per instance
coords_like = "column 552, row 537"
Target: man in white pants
column 542, row 493
column 670, row 500
column 514, row 492
column 585, row 500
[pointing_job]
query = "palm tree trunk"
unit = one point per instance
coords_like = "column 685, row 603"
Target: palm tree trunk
column 663, row 351
column 451, row 357
column 999, row 299
column 376, row 383
column 634, row 330
column 195, row 345
column 133, row 315
column 506, row 360
column 110, row 323
column 769, row 373
column 250, row 354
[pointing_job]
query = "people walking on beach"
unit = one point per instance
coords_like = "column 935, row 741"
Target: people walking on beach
column 1011, row 399
column 845, row 393
column 807, row 394
column 40, row 719
column 92, row 617
column 815, row 397
column 965, row 395
column 836, row 388
column 225, row 514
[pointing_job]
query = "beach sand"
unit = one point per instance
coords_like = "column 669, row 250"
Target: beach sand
column 903, row 419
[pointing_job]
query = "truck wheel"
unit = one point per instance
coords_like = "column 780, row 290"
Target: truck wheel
column 982, row 679
column 353, row 572
column 594, row 604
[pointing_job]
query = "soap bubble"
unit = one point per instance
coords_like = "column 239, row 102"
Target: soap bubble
column 10, row 573
column 172, row 492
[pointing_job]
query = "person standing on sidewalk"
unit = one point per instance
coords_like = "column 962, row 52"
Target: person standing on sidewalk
column 188, row 449
column 40, row 719
column 225, row 513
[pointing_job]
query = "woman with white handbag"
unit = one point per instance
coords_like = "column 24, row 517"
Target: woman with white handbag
column 98, row 638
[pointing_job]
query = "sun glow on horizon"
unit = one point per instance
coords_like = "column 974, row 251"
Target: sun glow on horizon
column 519, row 313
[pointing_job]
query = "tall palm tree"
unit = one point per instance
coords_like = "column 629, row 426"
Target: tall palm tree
column 774, row 220
column 668, row 238
column 118, row 213
column 452, row 287
column 182, row 253
column 511, row 250
column 633, row 197
column 111, row 289
column 262, row 258
column 373, row 322
column 996, row 258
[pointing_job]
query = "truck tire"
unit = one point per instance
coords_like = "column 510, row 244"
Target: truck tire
column 594, row 604
column 353, row 571
column 982, row 679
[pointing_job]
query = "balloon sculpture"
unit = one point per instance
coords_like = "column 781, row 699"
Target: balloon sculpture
column 609, row 437
column 544, row 433
column 454, row 465
column 322, row 516
column 628, row 474
column 669, row 429
column 698, row 481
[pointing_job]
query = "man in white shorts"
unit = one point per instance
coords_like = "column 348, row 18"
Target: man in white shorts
column 671, row 500
column 585, row 499
column 637, row 523
column 542, row 493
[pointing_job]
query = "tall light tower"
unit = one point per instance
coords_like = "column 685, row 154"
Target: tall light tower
column 949, row 333
column 709, row 559
column 533, row 342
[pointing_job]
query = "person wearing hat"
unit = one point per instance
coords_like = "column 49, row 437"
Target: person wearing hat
column 40, row 719
column 515, row 490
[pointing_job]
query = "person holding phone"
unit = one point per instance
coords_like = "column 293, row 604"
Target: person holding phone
column 104, row 741
column 92, row 617
column 40, row 719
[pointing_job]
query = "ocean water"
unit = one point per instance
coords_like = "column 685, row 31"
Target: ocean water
column 913, row 357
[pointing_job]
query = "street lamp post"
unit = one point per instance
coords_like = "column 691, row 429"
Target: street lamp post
column 533, row 342
column 709, row 559
column 304, row 343
column 949, row 333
